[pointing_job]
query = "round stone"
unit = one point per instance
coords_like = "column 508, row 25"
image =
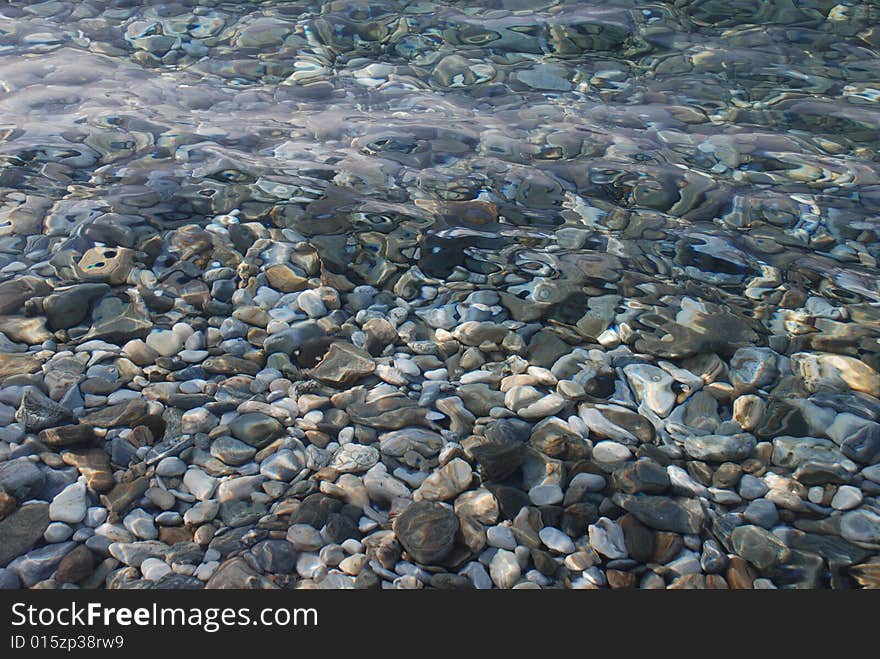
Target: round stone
column 427, row 531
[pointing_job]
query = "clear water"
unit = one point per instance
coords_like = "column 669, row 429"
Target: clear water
column 695, row 176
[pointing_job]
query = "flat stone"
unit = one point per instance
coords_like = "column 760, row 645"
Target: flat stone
column 445, row 483
column 664, row 513
column 17, row 364
column 21, row 530
column 94, row 465
column 847, row 497
column 39, row 564
column 200, row 485
column 427, row 531
column 354, row 459
column 75, row 566
column 232, row 451
column 861, row 527
column 556, row 540
column 720, row 448
column 343, row 365
column 21, row 478
column 131, row 413
column 37, row 411
column 504, row 569
column 230, row 365
column 70, row 504
column 235, row 573
column 70, row 307
column 32, row 331
column 304, row 537
column 758, row 546
column 652, row 386
column 256, row 429
column 123, row 495
column 606, row 537
column 71, row 435
column 643, row 475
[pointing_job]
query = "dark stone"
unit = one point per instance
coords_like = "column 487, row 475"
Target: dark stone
column 22, row 530
column 503, row 431
column 71, row 435
column 638, row 537
column 256, row 429
column 21, row 478
column 315, row 510
column 124, row 495
column 237, row 513
column 510, row 500
column 643, row 475
column 340, row 528
column 15, row 292
column 275, row 556
column 427, row 531
column 76, row 566
column 544, row 562
column 498, row 461
column 174, row 581
column 446, row 581
column 37, row 411
column 131, row 413
column 185, row 552
column 577, row 517
column 367, row 580
column 70, row 307
column 758, row 546
column 235, row 573
column 664, row 513
column 863, row 445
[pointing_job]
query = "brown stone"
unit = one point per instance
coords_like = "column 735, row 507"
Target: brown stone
column 94, row 464
column 282, row 278
column 32, row 331
column 666, row 547
column 123, row 495
column 130, row 413
column 76, row 566
column 343, row 365
column 739, row 574
column 15, row 292
column 716, row 582
column 229, row 365
column 173, row 534
column 17, row 364
column 689, row 582
column 71, row 435
column 106, row 264
column 619, row 579
column 141, row 436
column 7, row 504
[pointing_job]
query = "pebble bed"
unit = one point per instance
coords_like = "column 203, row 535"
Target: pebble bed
column 400, row 295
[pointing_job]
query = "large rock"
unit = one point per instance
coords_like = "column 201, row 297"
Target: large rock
column 21, row 478
column 343, row 365
column 22, row 530
column 720, row 448
column 427, row 531
column 37, row 411
column 758, row 546
column 664, row 513
column 69, row 307
column 69, row 435
column 256, row 429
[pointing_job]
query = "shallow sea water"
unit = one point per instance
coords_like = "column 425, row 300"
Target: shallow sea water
column 688, row 177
